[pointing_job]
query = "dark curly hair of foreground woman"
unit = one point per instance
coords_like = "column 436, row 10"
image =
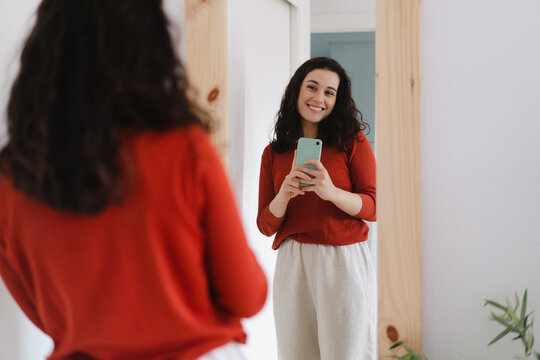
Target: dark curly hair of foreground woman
column 80, row 88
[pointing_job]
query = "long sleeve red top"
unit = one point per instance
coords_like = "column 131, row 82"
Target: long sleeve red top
column 167, row 274
column 308, row 218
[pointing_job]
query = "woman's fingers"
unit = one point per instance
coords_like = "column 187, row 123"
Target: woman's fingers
column 295, row 182
column 293, row 189
column 316, row 163
column 292, row 185
column 293, row 161
column 300, row 175
column 308, row 171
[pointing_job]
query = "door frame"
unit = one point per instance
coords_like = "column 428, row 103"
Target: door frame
column 300, row 32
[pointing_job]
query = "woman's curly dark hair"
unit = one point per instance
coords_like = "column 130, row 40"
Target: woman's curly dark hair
column 91, row 70
column 338, row 129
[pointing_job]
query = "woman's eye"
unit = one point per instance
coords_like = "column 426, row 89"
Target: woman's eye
column 329, row 93
column 311, row 87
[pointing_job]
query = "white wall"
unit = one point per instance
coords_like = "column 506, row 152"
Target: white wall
column 342, row 16
column 14, row 22
column 265, row 70
column 342, row 6
column 481, row 170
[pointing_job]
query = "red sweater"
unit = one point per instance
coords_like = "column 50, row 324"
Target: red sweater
column 309, row 219
column 167, row 274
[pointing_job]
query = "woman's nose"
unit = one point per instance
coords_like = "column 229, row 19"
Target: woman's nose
column 318, row 96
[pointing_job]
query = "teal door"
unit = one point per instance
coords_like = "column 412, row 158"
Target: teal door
column 356, row 53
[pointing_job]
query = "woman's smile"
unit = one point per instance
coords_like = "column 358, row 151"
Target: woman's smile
column 315, row 108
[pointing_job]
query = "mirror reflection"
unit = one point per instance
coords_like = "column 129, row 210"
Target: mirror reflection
column 331, row 36
column 316, row 200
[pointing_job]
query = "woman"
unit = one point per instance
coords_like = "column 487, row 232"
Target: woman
column 119, row 235
column 324, row 286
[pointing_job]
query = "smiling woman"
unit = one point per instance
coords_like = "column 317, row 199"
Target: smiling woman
column 324, row 282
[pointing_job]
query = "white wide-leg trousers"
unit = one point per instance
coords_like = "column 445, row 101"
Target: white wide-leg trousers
column 325, row 302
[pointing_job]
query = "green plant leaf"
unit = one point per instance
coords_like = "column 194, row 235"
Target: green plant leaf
column 500, row 336
column 411, row 351
column 524, row 307
column 530, row 340
column 503, row 322
column 410, row 355
column 415, row 355
column 517, row 302
column 512, row 313
column 494, row 303
column 525, row 319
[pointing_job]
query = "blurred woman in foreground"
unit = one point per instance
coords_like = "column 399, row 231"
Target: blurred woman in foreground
column 119, row 235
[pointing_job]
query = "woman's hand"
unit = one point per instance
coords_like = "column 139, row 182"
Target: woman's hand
column 290, row 188
column 323, row 186
column 322, row 183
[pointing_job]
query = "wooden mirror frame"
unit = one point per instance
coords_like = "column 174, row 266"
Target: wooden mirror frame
column 398, row 147
column 399, row 172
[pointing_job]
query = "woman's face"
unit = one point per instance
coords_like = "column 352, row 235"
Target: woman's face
column 317, row 95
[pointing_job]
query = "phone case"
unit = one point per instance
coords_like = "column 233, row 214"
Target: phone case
column 308, row 149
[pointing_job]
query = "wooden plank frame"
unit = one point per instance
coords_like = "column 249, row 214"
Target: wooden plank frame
column 399, row 170
column 206, row 63
column 398, row 142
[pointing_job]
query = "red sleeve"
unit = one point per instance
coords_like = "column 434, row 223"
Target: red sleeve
column 10, row 276
column 267, row 223
column 17, row 289
column 362, row 170
column 237, row 280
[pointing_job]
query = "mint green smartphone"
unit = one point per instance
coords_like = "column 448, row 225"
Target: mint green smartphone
column 308, row 149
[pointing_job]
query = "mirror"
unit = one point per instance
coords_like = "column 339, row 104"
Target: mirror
column 340, row 29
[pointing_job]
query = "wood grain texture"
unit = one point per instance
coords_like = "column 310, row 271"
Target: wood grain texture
column 398, row 109
column 206, row 62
